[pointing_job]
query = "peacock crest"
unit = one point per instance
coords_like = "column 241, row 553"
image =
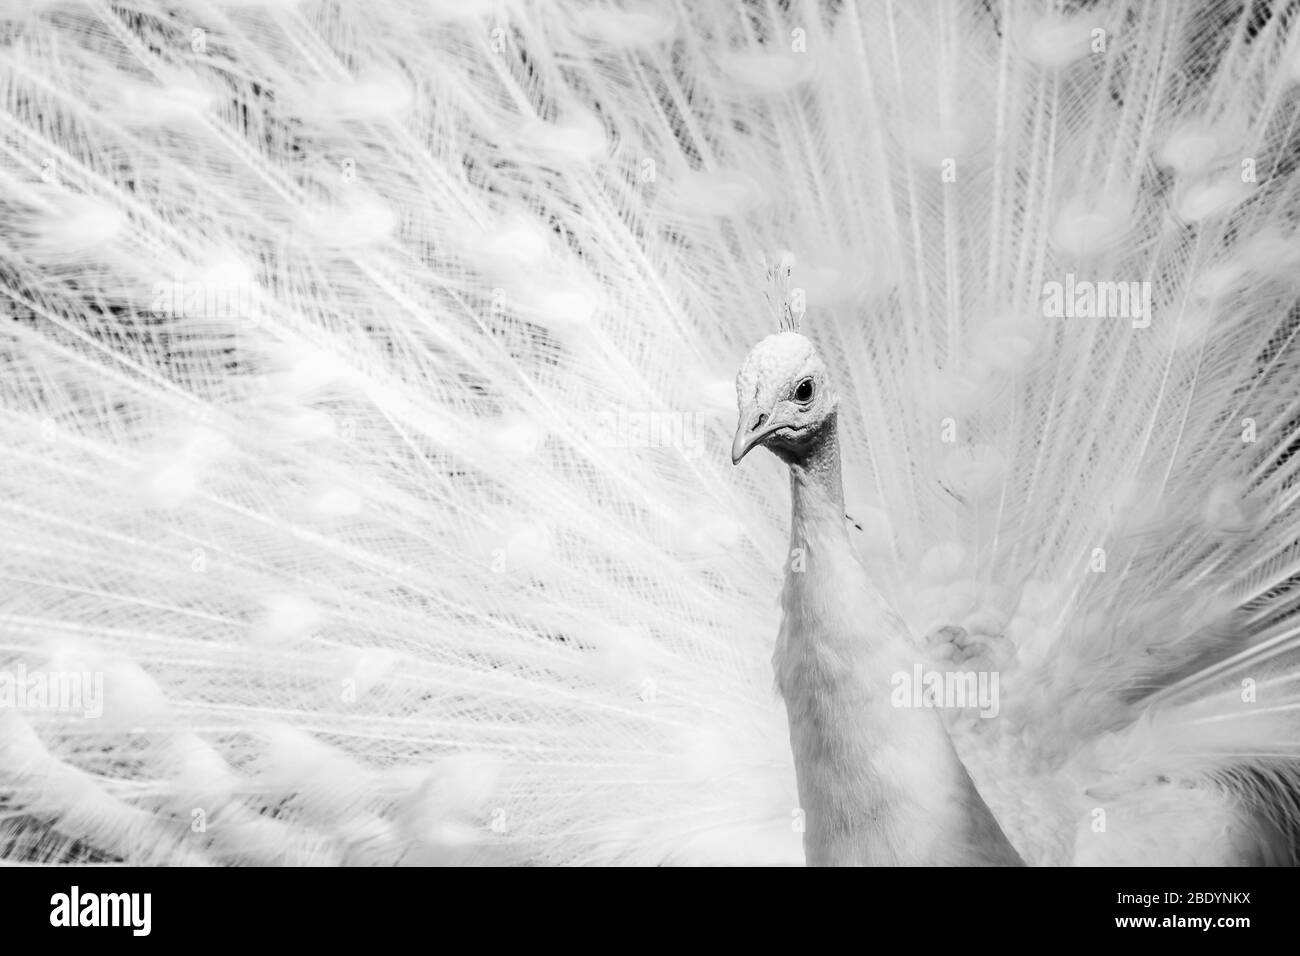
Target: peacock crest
column 784, row 299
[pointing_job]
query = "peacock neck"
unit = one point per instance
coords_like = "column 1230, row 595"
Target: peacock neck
column 878, row 784
column 816, row 485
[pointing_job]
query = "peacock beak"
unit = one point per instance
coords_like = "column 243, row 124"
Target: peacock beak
column 755, row 425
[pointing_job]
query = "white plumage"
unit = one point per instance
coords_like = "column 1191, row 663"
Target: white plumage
column 367, row 392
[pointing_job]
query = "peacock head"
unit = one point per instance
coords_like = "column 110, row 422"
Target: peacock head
column 785, row 398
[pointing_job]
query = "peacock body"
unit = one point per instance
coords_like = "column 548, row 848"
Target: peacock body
column 369, row 374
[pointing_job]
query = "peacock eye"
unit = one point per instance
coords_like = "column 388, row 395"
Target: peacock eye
column 804, row 392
